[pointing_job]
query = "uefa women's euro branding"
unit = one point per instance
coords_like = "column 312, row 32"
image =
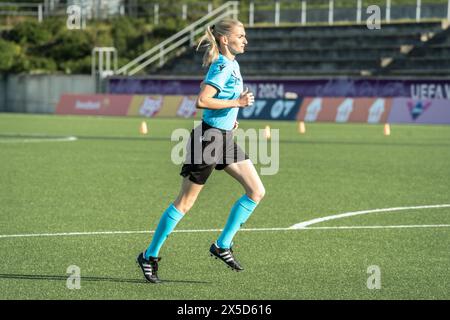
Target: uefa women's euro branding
column 309, row 108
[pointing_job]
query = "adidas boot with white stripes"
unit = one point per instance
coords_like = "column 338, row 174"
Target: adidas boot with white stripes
column 149, row 267
column 226, row 255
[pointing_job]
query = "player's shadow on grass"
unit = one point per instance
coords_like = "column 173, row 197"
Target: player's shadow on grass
column 88, row 278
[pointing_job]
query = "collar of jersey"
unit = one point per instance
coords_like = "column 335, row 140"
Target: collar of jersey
column 226, row 59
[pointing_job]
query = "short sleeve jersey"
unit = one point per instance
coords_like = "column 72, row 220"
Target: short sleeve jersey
column 225, row 76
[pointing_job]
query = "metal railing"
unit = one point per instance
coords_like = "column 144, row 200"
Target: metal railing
column 96, row 9
column 304, row 12
column 156, row 11
column 106, row 66
column 22, row 9
column 182, row 38
column 253, row 12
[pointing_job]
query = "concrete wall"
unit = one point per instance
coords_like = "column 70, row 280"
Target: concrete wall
column 39, row 93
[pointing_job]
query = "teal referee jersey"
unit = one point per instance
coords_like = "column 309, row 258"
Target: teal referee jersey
column 224, row 74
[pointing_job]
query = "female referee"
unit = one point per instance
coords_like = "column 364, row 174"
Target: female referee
column 221, row 95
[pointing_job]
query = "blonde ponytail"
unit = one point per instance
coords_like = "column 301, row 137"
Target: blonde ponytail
column 211, row 36
column 212, row 50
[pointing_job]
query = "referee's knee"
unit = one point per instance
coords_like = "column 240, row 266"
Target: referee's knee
column 258, row 194
column 184, row 204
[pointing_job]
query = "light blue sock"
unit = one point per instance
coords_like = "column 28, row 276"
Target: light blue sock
column 239, row 214
column 166, row 225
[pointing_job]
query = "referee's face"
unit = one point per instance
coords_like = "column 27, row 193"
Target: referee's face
column 237, row 40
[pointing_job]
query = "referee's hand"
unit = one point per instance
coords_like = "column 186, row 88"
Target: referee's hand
column 246, row 98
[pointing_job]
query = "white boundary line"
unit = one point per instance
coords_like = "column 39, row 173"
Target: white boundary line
column 300, row 226
column 380, row 227
column 37, row 139
column 305, row 224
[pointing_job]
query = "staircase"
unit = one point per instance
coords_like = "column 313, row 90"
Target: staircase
column 156, row 57
column 431, row 57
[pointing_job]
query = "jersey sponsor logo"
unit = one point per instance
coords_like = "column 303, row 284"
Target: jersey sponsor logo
column 221, row 67
column 236, row 74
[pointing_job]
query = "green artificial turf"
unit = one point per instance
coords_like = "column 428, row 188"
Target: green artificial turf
column 114, row 179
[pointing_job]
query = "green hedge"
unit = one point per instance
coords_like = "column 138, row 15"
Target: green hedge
column 32, row 47
column 9, row 53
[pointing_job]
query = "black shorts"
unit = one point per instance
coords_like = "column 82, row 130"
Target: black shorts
column 209, row 148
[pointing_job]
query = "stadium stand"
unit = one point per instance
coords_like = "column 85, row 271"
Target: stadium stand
column 431, row 57
column 350, row 50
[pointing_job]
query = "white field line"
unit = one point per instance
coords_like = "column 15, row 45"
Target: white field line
column 379, row 227
column 300, row 226
column 304, row 224
column 38, row 139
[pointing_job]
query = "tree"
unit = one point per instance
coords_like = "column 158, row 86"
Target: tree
column 9, row 51
column 29, row 33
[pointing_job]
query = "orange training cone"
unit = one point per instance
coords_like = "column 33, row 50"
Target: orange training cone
column 143, row 129
column 301, row 127
column 267, row 132
column 387, row 129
